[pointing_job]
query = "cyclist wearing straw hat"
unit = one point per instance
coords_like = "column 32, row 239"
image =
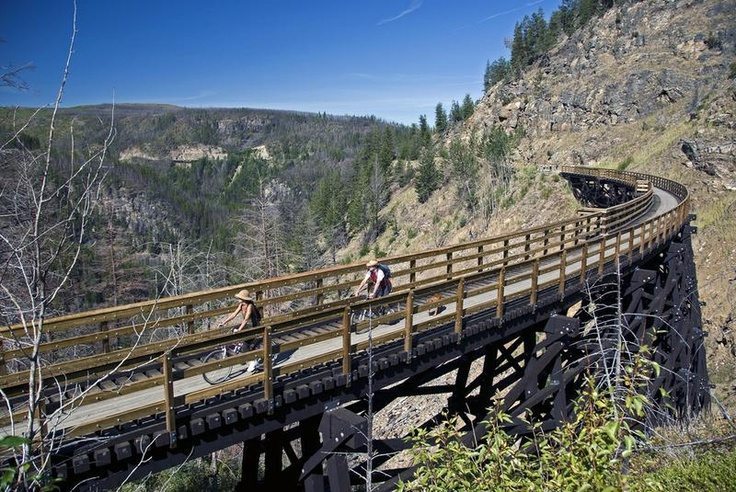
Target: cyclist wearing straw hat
column 247, row 308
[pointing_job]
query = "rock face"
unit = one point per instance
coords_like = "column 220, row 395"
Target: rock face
column 651, row 85
column 191, row 153
column 645, row 60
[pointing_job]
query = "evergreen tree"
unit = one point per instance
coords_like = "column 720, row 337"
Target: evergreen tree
column 468, row 107
column 424, row 135
column 386, row 153
column 497, row 71
column 455, row 113
column 464, row 167
column 428, row 178
column 440, row 118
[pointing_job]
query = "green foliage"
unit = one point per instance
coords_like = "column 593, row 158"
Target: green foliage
column 10, row 475
column 424, row 134
column 582, row 454
column 495, row 72
column 468, row 107
column 440, row 118
column 587, row 452
column 732, row 71
column 193, row 476
column 428, row 177
column 625, row 163
column 464, row 167
column 456, row 114
column 710, row 471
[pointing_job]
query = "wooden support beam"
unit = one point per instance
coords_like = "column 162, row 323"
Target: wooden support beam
column 459, row 301
column 563, row 267
column 535, row 283
column 267, row 365
column 500, row 299
column 583, row 262
column 169, row 398
column 106, row 339
column 190, row 323
column 409, row 323
column 346, row 329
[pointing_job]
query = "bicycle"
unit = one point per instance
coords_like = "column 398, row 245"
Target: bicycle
column 221, row 374
column 368, row 313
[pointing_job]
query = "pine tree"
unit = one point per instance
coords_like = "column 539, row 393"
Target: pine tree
column 497, row 71
column 455, row 113
column 440, row 118
column 468, row 107
column 428, row 178
column 424, row 135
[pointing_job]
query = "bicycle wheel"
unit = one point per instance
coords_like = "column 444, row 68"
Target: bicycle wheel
column 218, row 373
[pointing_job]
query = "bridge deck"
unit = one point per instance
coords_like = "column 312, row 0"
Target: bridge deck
column 663, row 202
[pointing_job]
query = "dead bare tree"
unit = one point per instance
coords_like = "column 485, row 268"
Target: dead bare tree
column 46, row 203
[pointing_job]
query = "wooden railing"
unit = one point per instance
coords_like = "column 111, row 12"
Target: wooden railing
column 492, row 272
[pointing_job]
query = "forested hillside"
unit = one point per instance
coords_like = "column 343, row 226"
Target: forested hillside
column 194, row 198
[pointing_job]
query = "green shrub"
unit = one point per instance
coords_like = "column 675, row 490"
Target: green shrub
column 625, row 163
column 712, row 470
column 583, row 454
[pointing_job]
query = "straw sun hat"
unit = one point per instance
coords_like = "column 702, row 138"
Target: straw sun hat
column 371, row 263
column 244, row 295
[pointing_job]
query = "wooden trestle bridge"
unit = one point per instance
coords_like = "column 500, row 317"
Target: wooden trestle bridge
column 125, row 394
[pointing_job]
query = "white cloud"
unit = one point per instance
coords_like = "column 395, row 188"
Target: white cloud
column 415, row 4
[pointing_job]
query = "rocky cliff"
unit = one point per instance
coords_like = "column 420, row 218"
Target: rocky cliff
column 648, row 86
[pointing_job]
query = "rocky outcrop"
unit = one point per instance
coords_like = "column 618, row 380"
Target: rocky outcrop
column 191, row 153
column 631, row 63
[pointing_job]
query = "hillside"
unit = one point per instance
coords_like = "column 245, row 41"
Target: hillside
column 648, row 86
column 194, row 190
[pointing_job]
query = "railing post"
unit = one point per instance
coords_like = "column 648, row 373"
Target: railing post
column 190, row 323
column 576, row 234
column 320, row 295
column 602, row 255
column 641, row 239
column 409, row 324
column 459, row 301
column 106, row 338
column 505, row 252
column 535, row 283
column 412, row 274
column 630, row 247
column 546, row 241
column 618, row 245
column 169, row 398
column 527, row 246
column 3, row 367
column 499, row 292
column 480, row 258
column 267, row 365
column 562, row 237
column 563, row 273
column 583, row 262
column 449, row 265
column 346, row 328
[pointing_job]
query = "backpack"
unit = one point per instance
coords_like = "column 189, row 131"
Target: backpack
column 386, row 270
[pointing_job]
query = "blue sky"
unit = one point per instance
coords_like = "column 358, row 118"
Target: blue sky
column 392, row 58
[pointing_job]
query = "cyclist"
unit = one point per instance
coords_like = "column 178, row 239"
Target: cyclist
column 379, row 276
column 247, row 308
